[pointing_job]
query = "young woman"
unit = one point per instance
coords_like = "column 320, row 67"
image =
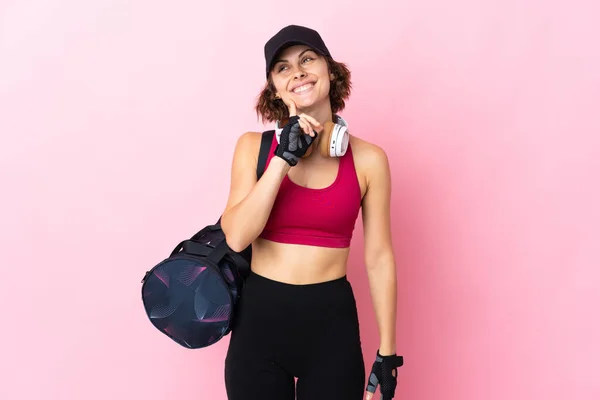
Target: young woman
column 297, row 316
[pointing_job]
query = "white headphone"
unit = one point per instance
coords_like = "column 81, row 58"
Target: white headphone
column 336, row 140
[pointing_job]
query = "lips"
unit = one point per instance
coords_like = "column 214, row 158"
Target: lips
column 304, row 87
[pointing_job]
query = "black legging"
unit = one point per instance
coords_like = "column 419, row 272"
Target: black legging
column 282, row 331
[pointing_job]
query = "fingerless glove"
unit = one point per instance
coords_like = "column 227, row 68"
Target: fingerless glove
column 293, row 142
column 384, row 373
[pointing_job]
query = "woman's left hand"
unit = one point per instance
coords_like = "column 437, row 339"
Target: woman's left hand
column 384, row 374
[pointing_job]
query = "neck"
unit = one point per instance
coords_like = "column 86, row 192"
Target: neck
column 321, row 112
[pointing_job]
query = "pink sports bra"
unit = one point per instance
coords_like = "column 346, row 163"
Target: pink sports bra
column 318, row 217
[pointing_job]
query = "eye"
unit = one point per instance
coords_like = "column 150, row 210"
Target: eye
column 280, row 68
column 309, row 58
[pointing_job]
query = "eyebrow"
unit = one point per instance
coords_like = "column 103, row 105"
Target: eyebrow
column 300, row 55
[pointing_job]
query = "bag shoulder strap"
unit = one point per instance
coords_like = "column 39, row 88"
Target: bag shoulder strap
column 265, row 146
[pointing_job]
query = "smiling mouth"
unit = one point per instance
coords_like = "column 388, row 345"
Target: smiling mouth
column 304, row 88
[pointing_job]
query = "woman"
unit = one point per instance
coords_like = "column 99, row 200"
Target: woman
column 297, row 315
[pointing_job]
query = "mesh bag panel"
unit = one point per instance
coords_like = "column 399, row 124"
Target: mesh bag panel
column 188, row 301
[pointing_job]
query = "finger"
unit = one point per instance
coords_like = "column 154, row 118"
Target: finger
column 305, row 126
column 311, row 128
column 372, row 386
column 291, row 108
column 317, row 126
column 307, row 140
column 302, row 125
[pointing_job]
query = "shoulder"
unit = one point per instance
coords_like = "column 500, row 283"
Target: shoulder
column 249, row 139
column 366, row 151
column 248, row 144
column 370, row 159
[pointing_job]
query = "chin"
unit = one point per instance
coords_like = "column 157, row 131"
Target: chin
column 309, row 102
column 304, row 104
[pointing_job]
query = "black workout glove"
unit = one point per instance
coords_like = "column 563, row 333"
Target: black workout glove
column 293, row 142
column 384, row 373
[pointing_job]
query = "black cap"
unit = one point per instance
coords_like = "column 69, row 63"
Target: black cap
column 290, row 35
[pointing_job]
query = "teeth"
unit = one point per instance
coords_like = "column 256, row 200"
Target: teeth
column 303, row 88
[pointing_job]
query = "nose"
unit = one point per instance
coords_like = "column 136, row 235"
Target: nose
column 299, row 73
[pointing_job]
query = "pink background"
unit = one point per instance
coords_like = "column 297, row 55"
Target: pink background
column 118, row 123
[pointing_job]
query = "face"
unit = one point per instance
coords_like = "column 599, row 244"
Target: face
column 301, row 75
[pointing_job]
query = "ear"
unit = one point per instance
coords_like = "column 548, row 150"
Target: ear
column 331, row 76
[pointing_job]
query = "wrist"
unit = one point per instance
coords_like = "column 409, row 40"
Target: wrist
column 285, row 156
column 387, row 350
column 281, row 165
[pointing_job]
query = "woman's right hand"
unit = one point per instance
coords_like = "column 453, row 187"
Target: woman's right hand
column 297, row 136
column 309, row 125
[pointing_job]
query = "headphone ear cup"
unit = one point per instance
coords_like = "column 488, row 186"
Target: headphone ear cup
column 325, row 143
column 339, row 140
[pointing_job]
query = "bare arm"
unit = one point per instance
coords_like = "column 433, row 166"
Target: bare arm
column 250, row 202
column 379, row 256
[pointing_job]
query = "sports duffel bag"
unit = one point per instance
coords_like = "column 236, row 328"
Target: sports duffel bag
column 191, row 295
